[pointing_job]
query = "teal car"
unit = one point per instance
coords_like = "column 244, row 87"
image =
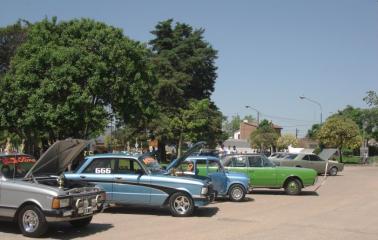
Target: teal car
column 264, row 173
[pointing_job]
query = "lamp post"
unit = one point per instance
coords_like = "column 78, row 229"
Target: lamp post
column 258, row 113
column 317, row 103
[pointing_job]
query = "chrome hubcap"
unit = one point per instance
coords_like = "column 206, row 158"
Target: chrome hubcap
column 237, row 193
column 30, row 221
column 293, row 186
column 333, row 171
column 181, row 204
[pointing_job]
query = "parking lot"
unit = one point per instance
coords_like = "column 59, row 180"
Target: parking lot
column 345, row 207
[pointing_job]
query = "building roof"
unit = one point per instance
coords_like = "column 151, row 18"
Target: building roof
column 255, row 124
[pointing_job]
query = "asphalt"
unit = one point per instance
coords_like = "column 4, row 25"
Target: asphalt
column 345, row 207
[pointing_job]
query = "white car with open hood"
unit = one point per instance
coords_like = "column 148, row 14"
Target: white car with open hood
column 34, row 193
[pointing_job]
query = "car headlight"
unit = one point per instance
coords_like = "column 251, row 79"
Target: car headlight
column 204, row 190
column 60, row 203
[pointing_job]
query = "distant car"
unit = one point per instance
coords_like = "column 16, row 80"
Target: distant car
column 265, row 174
column 227, row 184
column 32, row 194
column 310, row 160
column 278, row 155
column 139, row 180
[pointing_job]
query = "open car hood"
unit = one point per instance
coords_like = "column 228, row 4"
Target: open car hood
column 57, row 158
column 175, row 163
column 327, row 153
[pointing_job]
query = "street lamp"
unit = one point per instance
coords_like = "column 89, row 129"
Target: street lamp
column 317, row 103
column 258, row 113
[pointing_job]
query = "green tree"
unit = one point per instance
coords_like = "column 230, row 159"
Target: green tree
column 11, row 37
column 284, row 141
column 67, row 78
column 265, row 136
column 340, row 132
column 185, row 66
column 371, row 99
column 311, row 133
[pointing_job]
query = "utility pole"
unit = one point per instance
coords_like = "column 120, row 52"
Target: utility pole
column 296, row 132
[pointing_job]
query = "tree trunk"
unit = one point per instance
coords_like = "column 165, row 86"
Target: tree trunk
column 179, row 146
column 340, row 156
column 161, row 150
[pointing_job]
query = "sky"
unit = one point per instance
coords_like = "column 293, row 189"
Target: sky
column 270, row 52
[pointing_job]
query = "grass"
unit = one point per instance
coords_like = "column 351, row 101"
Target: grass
column 357, row 159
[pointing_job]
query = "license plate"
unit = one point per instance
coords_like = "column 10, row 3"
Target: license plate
column 87, row 209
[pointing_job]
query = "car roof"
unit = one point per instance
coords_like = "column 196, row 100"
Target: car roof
column 115, row 155
column 201, row 157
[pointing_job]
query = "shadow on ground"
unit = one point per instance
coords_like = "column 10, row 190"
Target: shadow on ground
column 281, row 192
column 199, row 212
column 60, row 230
column 223, row 200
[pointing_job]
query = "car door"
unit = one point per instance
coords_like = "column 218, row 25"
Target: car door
column 131, row 183
column 263, row 173
column 217, row 175
column 306, row 162
column 317, row 163
column 100, row 171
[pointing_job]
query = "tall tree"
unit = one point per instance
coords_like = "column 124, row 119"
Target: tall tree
column 11, row 37
column 186, row 71
column 265, row 136
column 284, row 141
column 340, row 132
column 67, row 78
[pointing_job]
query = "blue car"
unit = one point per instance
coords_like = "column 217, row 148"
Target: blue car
column 227, row 184
column 139, row 180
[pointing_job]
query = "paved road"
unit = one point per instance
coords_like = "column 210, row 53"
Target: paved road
column 345, row 207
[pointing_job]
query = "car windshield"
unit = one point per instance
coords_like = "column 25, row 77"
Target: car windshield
column 267, row 162
column 150, row 163
column 291, row 156
column 15, row 166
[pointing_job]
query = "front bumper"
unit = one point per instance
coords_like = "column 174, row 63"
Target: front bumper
column 81, row 207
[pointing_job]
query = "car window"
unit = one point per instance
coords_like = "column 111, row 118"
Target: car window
column 307, row 158
column 290, row 156
column 238, row 161
column 127, row 166
column 101, row 166
column 267, row 162
column 254, row 161
column 214, row 166
column 315, row 158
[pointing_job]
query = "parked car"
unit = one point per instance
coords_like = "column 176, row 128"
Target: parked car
column 139, row 180
column 310, row 160
column 227, row 184
column 265, row 174
column 33, row 194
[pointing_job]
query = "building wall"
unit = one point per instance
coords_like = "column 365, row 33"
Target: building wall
column 246, row 130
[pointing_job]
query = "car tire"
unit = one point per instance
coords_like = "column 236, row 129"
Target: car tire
column 32, row 221
column 236, row 193
column 181, row 204
column 81, row 222
column 333, row 171
column 293, row 187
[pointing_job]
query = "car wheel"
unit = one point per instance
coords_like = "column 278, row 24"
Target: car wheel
column 181, row 204
column 333, row 171
column 81, row 222
column 293, row 187
column 32, row 221
column 236, row 193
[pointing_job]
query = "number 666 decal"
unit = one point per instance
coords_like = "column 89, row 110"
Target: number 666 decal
column 103, row 170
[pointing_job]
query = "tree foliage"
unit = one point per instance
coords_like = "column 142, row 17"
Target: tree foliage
column 185, row 66
column 284, row 141
column 340, row 132
column 68, row 76
column 11, row 37
column 264, row 136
